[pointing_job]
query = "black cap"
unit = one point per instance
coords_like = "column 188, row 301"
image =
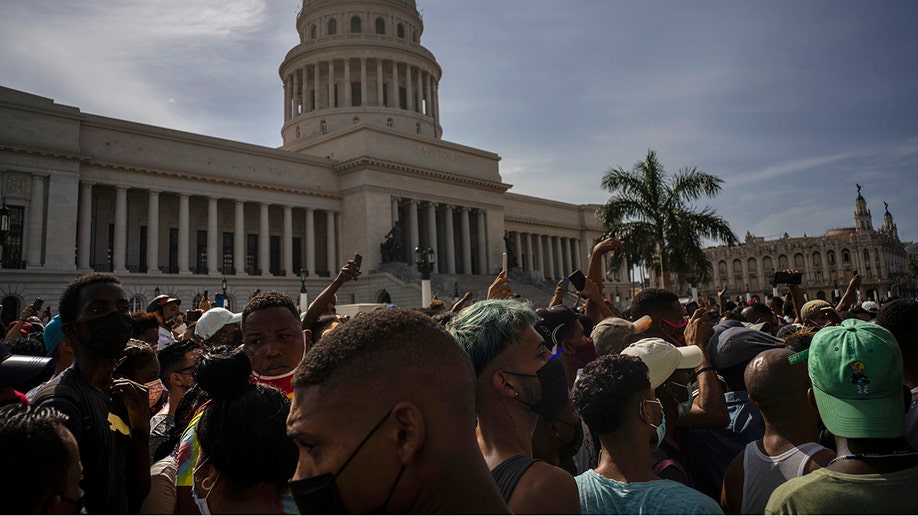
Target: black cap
column 18, row 369
column 161, row 301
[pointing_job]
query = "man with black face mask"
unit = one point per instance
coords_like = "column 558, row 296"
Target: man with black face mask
column 517, row 381
column 110, row 419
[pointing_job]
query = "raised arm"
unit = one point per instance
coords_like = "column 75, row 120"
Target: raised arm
column 709, row 409
column 16, row 328
column 347, row 272
column 850, row 293
column 594, row 273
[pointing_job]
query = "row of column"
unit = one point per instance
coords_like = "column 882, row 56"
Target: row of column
column 119, row 240
column 296, row 87
column 553, row 256
column 444, row 243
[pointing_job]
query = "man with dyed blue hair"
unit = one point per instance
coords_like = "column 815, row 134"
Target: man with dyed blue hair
column 517, row 381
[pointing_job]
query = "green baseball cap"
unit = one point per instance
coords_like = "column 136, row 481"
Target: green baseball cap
column 856, row 369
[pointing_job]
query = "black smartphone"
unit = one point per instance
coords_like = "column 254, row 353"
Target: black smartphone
column 787, row 278
column 36, row 305
column 358, row 260
column 578, row 280
column 565, row 282
column 691, row 307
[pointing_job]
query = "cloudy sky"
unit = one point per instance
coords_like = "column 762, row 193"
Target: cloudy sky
column 791, row 103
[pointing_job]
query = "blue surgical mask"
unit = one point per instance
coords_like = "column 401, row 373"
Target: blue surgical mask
column 660, row 429
column 203, row 507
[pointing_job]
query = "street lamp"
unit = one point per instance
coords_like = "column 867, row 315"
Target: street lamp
column 424, row 260
column 304, row 297
column 156, row 292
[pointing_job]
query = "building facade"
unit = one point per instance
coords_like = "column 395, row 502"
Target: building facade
column 174, row 212
column 827, row 262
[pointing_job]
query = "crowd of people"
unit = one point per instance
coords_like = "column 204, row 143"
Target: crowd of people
column 499, row 405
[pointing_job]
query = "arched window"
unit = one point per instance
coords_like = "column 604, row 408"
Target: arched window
column 830, row 257
column 817, row 259
column 389, row 122
column 313, row 31
column 380, row 26
column 737, row 267
column 332, row 27
column 866, row 256
column 782, row 262
column 752, row 266
column 414, row 36
column 799, row 262
column 12, row 307
column 722, row 268
column 767, row 265
column 400, row 31
column 323, row 127
column 383, row 297
column 355, row 25
column 846, row 257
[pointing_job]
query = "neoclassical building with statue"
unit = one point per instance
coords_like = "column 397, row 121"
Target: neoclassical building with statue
column 827, row 262
column 363, row 169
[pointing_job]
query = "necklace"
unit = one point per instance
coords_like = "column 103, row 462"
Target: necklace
column 862, row 456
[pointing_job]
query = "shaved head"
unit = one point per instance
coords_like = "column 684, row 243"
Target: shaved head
column 773, row 382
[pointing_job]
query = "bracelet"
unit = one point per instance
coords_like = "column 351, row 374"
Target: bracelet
column 702, row 370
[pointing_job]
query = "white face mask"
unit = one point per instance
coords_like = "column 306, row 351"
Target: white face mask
column 659, row 429
column 155, row 389
column 180, row 329
column 203, row 507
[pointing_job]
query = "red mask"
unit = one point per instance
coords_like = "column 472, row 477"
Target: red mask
column 675, row 329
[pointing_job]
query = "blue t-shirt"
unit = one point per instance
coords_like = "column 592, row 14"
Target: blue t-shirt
column 600, row 495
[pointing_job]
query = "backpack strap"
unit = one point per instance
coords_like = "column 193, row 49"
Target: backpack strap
column 67, row 392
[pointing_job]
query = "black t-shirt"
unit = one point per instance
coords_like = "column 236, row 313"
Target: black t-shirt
column 102, row 431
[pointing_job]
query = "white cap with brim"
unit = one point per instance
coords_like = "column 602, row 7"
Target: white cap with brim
column 662, row 358
column 213, row 320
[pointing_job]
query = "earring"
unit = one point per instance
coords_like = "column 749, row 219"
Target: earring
column 516, row 395
column 206, row 487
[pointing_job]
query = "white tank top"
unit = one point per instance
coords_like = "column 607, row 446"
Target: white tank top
column 763, row 474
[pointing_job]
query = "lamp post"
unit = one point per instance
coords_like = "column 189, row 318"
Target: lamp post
column 156, row 292
column 694, row 286
column 223, row 286
column 304, row 296
column 424, row 260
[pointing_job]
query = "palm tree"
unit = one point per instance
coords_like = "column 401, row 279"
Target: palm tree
column 654, row 216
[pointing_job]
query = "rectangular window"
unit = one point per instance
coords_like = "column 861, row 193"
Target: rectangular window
column 335, row 88
column 12, row 250
column 173, row 250
column 385, row 101
column 142, row 249
column 228, row 245
column 403, row 98
column 355, row 93
column 251, row 254
column 201, row 253
column 275, row 255
column 297, row 255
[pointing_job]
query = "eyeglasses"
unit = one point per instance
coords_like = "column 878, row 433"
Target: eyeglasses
column 182, row 370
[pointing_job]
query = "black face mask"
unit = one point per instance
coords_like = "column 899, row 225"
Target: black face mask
column 554, row 389
column 319, row 495
column 571, row 448
column 109, row 334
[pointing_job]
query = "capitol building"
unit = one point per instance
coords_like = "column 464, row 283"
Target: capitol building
column 362, row 165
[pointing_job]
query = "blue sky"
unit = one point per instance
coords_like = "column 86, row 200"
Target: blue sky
column 791, row 103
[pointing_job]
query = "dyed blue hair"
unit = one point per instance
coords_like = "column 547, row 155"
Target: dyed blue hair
column 486, row 328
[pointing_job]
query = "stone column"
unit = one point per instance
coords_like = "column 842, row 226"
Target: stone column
column 566, row 266
column 331, row 83
column 429, row 95
column 212, row 234
column 347, row 82
column 310, row 242
column 288, row 241
column 363, row 81
column 36, row 224
column 529, row 263
column 330, row 244
column 84, row 228
column 393, row 94
column 450, row 240
column 296, row 92
column 287, row 95
column 578, row 263
column 315, row 83
column 153, row 233
column 239, row 240
column 466, row 240
column 550, row 249
column 540, row 253
column 183, row 231
column 395, row 211
column 409, row 94
column 380, row 99
column 432, row 231
column 436, row 102
column 413, row 232
column 264, row 240
column 482, row 244
column 419, row 107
